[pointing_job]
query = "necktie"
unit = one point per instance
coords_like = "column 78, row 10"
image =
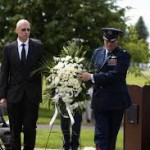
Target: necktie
column 23, row 55
column 108, row 54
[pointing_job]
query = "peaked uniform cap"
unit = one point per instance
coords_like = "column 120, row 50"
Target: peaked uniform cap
column 111, row 33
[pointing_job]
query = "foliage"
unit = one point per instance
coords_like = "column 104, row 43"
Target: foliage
column 138, row 48
column 81, row 20
column 136, row 72
column 141, row 29
column 55, row 139
column 55, row 22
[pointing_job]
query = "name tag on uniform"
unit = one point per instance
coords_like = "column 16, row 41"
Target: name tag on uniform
column 112, row 61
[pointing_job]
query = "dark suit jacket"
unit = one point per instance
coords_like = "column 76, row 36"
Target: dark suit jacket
column 110, row 90
column 15, row 79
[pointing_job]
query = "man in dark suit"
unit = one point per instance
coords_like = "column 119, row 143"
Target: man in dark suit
column 110, row 96
column 20, row 91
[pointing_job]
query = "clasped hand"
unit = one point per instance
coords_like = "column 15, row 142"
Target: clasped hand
column 84, row 76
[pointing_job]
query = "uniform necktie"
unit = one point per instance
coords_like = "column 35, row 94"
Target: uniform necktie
column 108, row 54
column 23, row 55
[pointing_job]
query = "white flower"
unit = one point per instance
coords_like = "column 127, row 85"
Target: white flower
column 78, row 60
column 56, row 81
column 67, row 100
column 74, row 106
column 55, row 98
column 56, row 59
column 65, row 90
column 63, row 82
column 68, row 58
column 62, row 78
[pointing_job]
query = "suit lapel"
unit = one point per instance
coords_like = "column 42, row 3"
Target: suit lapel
column 30, row 52
column 16, row 53
column 105, row 60
column 100, row 56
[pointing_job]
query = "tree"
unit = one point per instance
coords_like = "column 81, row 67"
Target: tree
column 56, row 22
column 138, row 48
column 141, row 29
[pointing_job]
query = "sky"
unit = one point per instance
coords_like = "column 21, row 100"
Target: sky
column 140, row 8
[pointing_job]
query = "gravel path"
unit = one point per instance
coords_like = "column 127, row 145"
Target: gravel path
column 57, row 126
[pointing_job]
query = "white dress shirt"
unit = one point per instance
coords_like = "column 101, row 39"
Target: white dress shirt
column 20, row 47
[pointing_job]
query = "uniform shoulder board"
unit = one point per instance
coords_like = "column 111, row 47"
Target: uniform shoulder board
column 122, row 49
column 98, row 49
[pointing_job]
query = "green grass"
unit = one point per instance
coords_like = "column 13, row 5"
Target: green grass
column 44, row 140
column 119, row 144
column 139, row 80
column 55, row 139
column 132, row 80
column 44, row 115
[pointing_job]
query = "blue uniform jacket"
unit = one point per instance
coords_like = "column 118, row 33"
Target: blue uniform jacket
column 110, row 89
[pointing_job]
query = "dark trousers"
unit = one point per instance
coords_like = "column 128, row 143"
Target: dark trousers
column 106, row 128
column 23, row 117
column 71, row 140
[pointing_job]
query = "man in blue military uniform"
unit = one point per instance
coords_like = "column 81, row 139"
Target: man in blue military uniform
column 110, row 96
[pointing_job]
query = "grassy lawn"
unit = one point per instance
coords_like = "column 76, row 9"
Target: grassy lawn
column 86, row 139
column 132, row 80
column 55, row 139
